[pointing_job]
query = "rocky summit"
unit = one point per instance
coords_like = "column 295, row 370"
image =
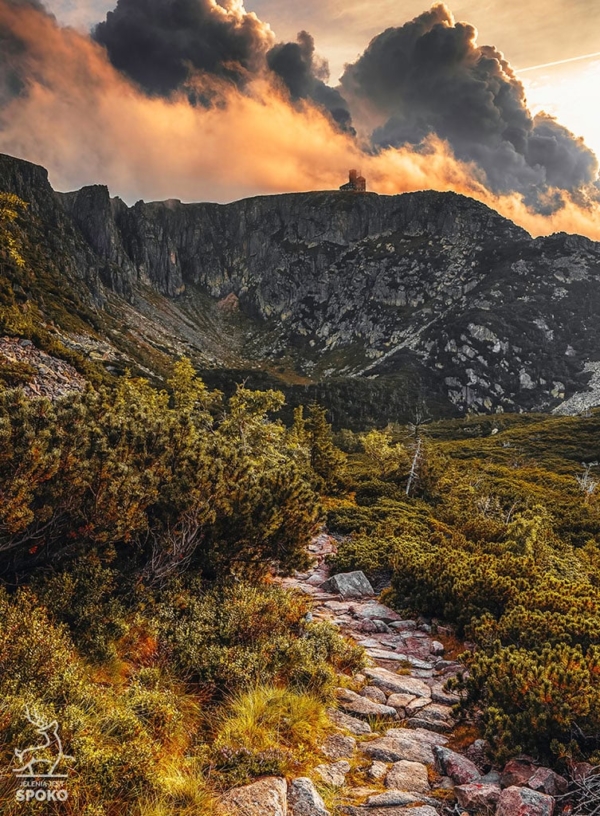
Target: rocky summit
column 390, row 301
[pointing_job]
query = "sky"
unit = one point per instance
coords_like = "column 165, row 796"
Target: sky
column 199, row 99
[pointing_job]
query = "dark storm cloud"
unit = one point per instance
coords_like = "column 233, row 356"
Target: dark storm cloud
column 305, row 76
column 430, row 77
column 160, row 43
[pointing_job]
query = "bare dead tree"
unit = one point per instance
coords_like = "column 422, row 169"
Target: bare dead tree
column 586, row 483
column 173, row 551
column 414, row 468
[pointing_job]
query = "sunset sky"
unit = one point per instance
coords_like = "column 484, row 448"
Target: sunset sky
column 219, row 100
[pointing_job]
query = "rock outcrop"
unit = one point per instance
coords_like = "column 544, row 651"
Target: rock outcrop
column 432, row 288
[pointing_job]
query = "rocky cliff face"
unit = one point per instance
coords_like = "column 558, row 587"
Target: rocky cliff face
column 342, row 285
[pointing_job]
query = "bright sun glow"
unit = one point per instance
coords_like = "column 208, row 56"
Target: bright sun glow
column 570, row 94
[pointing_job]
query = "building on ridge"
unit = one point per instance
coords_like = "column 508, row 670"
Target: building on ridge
column 357, row 183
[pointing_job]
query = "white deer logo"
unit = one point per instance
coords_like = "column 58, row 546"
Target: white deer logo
column 30, row 758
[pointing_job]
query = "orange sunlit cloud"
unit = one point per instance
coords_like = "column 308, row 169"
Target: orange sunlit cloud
column 86, row 123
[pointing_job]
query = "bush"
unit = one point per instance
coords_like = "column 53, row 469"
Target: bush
column 268, row 730
column 240, row 635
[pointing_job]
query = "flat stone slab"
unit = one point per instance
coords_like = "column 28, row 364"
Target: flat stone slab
column 349, row 723
column 373, row 609
column 394, row 749
column 397, row 683
column 361, row 706
column 439, row 726
column 406, row 775
column 390, row 810
column 395, row 798
column 422, row 734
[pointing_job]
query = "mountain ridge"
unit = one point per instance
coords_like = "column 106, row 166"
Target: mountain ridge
column 432, row 292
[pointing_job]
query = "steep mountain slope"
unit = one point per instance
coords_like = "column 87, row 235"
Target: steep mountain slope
column 341, row 294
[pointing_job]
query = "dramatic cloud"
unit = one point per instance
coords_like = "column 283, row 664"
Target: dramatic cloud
column 305, row 76
column 160, row 43
column 429, row 76
column 68, row 108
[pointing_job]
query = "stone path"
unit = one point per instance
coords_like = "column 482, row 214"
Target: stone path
column 395, row 725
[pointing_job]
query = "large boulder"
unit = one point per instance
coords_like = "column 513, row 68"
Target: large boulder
column 547, row 781
column 267, row 797
column 406, row 775
column 304, row 799
column 477, row 796
column 457, row 767
column 363, row 707
column 515, row 801
column 349, row 585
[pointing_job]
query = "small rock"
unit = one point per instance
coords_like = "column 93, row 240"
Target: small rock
column 267, row 797
column 377, row 770
column 407, row 776
column 434, row 712
column 515, row 801
column 517, row 772
column 439, row 726
column 491, row 778
column 477, row 796
column 338, row 746
column 581, row 770
column 404, row 625
column 304, row 799
column 349, row 585
column 437, row 648
column 381, row 626
column 456, row 766
column 444, row 783
column 547, row 781
column 373, row 693
column 416, row 705
column 401, row 701
column 440, row 695
column 374, row 610
column 333, row 774
column 25, row 343
column 355, row 704
column 477, row 752
column 367, row 627
column 349, row 723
